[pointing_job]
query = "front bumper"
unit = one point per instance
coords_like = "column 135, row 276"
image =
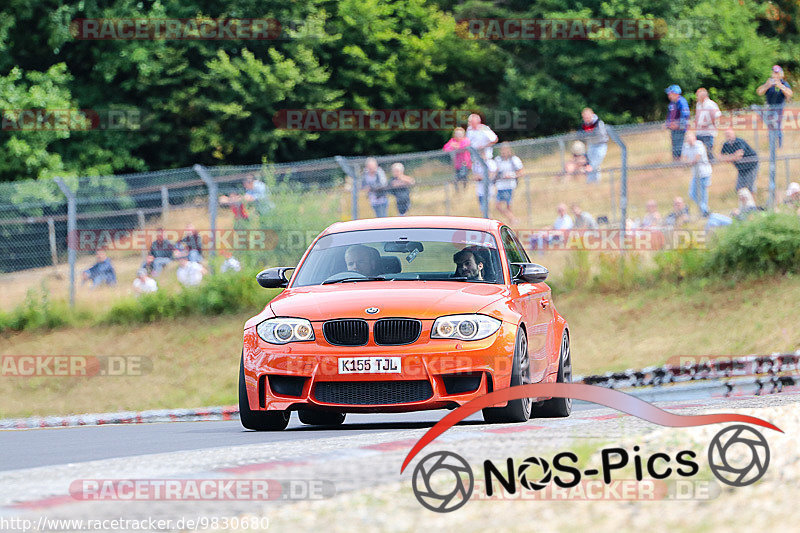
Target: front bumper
column 436, row 373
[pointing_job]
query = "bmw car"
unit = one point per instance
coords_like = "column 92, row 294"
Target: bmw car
column 403, row 314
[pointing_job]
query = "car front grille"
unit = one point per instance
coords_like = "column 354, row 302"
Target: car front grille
column 372, row 392
column 346, row 332
column 396, row 331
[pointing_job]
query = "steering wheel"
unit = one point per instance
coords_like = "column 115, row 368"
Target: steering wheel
column 347, row 274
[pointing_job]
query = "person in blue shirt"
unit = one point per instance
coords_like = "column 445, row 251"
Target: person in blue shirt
column 678, row 114
column 101, row 273
column 776, row 91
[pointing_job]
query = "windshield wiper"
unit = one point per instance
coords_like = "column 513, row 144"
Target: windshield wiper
column 354, row 278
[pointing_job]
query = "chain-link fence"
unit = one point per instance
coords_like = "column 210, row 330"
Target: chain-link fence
column 292, row 202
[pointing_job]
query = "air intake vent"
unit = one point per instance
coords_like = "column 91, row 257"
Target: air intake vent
column 372, row 392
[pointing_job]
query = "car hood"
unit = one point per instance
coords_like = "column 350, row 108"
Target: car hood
column 412, row 299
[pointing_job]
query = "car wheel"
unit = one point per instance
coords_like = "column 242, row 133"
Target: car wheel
column 559, row 407
column 517, row 410
column 258, row 420
column 320, row 418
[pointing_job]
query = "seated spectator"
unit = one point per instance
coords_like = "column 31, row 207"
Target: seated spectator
column 554, row 233
column 679, row 215
column 747, row 206
column 652, row 219
column 462, row 161
column 793, row 197
column 191, row 243
column 190, row 273
column 101, row 272
column 161, row 253
column 230, row 264
column 400, row 187
column 583, row 220
column 579, row 165
column 144, row 283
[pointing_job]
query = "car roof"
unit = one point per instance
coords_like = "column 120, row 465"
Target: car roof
column 465, row 223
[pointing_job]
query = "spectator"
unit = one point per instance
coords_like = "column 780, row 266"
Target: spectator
column 101, row 272
column 677, row 119
column 679, row 215
column 652, row 219
column 509, row 167
column 597, row 142
column 776, row 91
column 744, row 158
column 255, row 191
column 161, row 252
column 747, row 206
column 555, row 232
column 462, row 161
column 400, row 187
column 694, row 153
column 479, row 185
column 230, row 264
column 190, row 273
column 144, row 283
column 482, row 138
column 579, row 164
column 793, row 197
column 191, row 243
column 583, row 220
column 706, row 114
column 373, row 179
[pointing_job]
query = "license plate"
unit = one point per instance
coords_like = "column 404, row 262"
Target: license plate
column 369, row 365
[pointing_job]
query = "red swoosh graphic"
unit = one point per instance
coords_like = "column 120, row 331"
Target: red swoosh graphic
column 591, row 393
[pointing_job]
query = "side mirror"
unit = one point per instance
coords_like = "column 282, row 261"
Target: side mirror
column 273, row 278
column 529, row 273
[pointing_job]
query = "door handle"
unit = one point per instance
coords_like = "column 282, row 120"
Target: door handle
column 544, row 303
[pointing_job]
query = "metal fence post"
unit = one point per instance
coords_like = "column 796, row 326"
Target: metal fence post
column 348, row 170
column 72, row 227
column 788, row 173
column 51, row 232
column 623, row 183
column 773, row 141
column 212, row 204
column 561, row 151
column 483, row 169
column 164, row 201
column 613, row 194
column 140, row 218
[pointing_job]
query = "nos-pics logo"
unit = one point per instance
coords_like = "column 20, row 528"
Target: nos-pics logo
column 443, row 481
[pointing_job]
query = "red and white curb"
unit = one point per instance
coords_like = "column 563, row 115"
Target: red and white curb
column 124, row 417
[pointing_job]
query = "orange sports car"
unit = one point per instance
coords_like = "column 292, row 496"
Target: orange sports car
column 403, row 314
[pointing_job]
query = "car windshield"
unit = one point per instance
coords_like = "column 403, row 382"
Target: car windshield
column 402, row 255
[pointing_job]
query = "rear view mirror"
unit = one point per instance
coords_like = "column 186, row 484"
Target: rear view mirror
column 528, row 272
column 273, row 278
column 403, row 247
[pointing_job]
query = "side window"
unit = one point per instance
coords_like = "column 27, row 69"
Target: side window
column 514, row 252
column 521, row 248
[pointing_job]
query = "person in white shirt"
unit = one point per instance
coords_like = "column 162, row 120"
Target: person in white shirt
column 482, row 138
column 189, row 273
column 144, row 283
column 230, row 264
column 492, row 166
column 694, row 153
column 706, row 114
column 509, row 168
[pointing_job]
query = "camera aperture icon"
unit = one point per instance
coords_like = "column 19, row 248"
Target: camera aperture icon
column 443, row 482
column 738, row 455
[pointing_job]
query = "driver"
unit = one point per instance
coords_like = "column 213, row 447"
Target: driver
column 363, row 259
column 469, row 264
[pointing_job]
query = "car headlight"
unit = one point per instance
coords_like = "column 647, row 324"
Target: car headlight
column 285, row 330
column 464, row 327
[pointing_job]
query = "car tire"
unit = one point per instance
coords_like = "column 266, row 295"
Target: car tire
column 559, row 407
column 320, row 418
column 258, row 420
column 517, row 410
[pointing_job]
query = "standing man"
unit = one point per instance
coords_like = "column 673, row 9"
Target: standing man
column 374, row 181
column 744, row 158
column 777, row 91
column 677, row 119
column 482, row 138
column 597, row 142
column 694, row 153
column 706, row 113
